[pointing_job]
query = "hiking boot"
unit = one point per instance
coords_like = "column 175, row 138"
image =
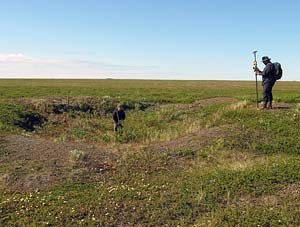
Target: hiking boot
column 269, row 105
column 263, row 107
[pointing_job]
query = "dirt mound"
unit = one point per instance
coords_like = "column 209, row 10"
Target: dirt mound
column 35, row 163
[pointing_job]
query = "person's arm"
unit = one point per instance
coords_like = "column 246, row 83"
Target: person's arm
column 258, row 71
column 115, row 117
column 124, row 115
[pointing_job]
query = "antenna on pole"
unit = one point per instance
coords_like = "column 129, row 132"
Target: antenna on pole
column 254, row 67
column 254, row 52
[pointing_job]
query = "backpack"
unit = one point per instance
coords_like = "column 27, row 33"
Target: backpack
column 278, row 70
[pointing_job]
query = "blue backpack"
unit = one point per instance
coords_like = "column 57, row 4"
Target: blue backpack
column 278, row 70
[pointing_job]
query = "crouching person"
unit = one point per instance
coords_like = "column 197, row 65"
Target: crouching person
column 118, row 117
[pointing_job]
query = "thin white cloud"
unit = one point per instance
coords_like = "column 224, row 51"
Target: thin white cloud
column 23, row 66
column 18, row 65
column 21, row 58
column 17, row 58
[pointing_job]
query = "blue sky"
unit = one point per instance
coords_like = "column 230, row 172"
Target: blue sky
column 147, row 39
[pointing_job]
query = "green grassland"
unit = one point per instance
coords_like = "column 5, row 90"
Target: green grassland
column 192, row 153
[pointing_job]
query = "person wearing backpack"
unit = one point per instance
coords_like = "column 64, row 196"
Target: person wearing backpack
column 269, row 76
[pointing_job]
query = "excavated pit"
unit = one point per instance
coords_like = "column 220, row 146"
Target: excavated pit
column 30, row 121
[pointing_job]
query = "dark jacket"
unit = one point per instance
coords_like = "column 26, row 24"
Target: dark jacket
column 119, row 115
column 268, row 74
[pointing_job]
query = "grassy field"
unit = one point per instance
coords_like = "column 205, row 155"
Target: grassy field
column 192, row 153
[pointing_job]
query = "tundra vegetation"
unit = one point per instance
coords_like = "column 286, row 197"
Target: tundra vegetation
column 192, row 153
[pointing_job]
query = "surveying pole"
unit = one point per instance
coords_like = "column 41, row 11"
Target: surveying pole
column 254, row 67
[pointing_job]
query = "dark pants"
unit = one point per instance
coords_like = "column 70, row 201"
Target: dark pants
column 117, row 126
column 267, row 91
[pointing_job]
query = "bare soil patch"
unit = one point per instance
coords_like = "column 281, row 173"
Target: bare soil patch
column 280, row 106
column 287, row 192
column 36, row 163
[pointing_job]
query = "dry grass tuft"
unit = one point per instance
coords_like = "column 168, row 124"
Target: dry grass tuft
column 240, row 105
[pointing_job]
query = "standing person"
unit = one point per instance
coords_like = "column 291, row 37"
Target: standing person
column 118, row 117
column 268, row 81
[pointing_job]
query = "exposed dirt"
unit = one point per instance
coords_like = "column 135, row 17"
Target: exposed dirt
column 35, row 163
column 291, row 192
column 279, row 106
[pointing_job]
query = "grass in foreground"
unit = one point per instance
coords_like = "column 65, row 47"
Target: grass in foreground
column 245, row 173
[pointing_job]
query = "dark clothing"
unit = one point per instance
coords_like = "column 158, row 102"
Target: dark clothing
column 117, row 126
column 267, row 91
column 268, row 74
column 118, row 117
column 268, row 81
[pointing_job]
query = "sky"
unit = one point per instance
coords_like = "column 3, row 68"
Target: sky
column 147, row 39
